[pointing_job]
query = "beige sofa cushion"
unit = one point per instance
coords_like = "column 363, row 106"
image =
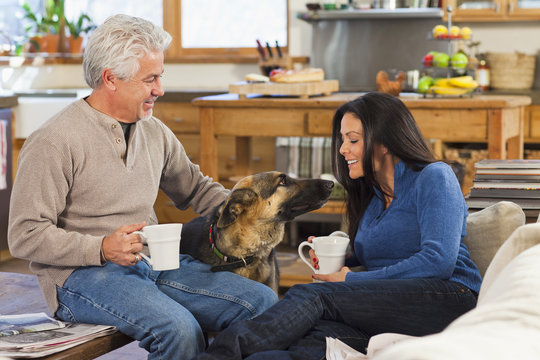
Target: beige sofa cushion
column 488, row 228
column 522, row 239
column 506, row 322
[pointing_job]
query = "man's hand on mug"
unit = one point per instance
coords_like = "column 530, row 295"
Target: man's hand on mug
column 337, row 276
column 121, row 247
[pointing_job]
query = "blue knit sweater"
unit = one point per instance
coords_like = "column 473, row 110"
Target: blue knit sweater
column 420, row 235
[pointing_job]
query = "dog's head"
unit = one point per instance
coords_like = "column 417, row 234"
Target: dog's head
column 272, row 198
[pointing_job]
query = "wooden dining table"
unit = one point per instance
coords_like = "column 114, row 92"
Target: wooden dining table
column 493, row 119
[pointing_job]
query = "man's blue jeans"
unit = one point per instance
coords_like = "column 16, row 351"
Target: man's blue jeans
column 167, row 311
column 295, row 328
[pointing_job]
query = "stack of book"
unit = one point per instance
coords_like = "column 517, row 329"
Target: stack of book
column 513, row 180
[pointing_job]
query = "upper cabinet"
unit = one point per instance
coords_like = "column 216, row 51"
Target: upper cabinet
column 494, row 10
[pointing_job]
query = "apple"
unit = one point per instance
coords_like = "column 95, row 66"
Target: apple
column 439, row 31
column 459, row 60
column 428, row 60
column 466, row 32
column 454, row 32
column 441, row 59
column 424, row 83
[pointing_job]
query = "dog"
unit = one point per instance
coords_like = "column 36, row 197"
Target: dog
column 241, row 234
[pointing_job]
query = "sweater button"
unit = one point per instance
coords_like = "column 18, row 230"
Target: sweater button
column 118, row 140
column 114, row 126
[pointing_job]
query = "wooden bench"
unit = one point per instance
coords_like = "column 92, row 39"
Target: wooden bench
column 20, row 294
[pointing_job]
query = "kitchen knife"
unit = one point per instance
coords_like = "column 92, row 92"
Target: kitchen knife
column 261, row 50
column 269, row 50
column 278, row 49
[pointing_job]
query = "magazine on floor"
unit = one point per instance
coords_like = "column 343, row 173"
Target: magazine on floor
column 24, row 323
column 32, row 344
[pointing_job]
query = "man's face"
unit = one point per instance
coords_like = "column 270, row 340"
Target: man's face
column 135, row 97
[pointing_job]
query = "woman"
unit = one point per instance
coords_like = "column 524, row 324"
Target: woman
column 407, row 216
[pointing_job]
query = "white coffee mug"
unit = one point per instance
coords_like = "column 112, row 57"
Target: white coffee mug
column 330, row 251
column 164, row 245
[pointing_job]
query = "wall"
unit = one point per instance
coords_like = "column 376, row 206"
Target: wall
column 495, row 37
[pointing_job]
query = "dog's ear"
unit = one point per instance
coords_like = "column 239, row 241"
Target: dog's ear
column 237, row 202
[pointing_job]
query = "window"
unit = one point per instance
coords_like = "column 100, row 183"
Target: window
column 148, row 9
column 230, row 28
column 202, row 30
column 11, row 21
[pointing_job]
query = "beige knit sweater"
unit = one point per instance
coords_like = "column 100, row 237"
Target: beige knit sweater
column 73, row 188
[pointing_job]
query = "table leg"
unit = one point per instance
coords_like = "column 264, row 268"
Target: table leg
column 209, row 158
column 243, row 155
column 515, row 143
column 496, row 139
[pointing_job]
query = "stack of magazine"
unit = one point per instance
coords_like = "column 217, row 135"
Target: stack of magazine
column 513, row 180
column 37, row 335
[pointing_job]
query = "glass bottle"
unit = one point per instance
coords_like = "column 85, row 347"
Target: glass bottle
column 482, row 75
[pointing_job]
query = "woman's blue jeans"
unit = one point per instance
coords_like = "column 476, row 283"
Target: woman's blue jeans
column 296, row 327
column 167, row 311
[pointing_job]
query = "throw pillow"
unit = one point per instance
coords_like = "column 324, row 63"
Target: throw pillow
column 522, row 239
column 488, row 228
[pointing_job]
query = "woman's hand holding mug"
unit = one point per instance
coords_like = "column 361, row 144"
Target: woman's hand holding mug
column 337, row 276
column 326, row 256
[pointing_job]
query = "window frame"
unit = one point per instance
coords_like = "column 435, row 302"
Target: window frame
column 177, row 53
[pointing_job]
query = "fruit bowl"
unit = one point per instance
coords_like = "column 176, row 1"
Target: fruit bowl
column 458, row 86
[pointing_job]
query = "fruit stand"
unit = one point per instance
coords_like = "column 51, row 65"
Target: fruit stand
column 448, row 73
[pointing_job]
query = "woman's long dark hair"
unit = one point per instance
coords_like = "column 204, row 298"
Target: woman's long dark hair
column 385, row 121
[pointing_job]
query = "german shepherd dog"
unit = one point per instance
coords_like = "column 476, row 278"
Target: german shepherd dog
column 242, row 233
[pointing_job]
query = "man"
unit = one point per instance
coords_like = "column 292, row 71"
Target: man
column 89, row 177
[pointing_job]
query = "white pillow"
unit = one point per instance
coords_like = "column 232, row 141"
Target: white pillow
column 488, row 228
column 505, row 325
column 522, row 239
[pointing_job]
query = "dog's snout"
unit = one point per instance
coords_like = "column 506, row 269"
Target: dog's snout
column 329, row 185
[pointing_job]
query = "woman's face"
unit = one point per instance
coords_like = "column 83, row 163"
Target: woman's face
column 352, row 148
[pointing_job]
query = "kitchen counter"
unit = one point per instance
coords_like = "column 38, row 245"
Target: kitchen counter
column 179, row 95
column 493, row 119
column 8, row 100
column 534, row 94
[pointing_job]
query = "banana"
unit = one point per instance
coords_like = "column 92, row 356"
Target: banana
column 444, row 90
column 459, row 85
column 442, row 82
column 466, row 82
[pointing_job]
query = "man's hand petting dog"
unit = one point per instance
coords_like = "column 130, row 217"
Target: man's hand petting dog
column 337, row 276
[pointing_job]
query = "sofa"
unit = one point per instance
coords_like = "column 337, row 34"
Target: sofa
column 506, row 321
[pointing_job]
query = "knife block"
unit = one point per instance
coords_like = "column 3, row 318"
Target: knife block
column 275, row 62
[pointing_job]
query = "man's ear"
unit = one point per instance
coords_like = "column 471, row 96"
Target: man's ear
column 109, row 79
column 238, row 201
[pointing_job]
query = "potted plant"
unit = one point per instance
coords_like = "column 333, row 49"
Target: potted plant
column 34, row 29
column 44, row 29
column 82, row 25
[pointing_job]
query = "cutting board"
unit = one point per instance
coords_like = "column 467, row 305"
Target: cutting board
column 302, row 90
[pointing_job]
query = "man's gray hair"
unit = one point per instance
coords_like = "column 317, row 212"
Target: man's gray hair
column 118, row 44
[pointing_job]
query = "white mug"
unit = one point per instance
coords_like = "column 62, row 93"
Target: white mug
column 330, row 251
column 164, row 245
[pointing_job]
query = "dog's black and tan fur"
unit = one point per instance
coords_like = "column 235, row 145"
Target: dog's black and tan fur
column 251, row 222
